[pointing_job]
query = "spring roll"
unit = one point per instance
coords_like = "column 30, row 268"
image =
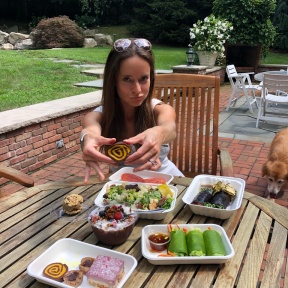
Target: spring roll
column 213, row 243
column 177, row 244
column 203, row 197
column 221, row 200
column 195, row 243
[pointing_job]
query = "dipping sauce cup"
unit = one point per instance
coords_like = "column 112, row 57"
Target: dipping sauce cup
column 158, row 241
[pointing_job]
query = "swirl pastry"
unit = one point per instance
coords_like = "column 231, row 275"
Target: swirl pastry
column 119, row 151
column 55, row 271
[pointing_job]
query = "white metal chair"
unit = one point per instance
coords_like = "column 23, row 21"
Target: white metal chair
column 274, row 96
column 241, row 84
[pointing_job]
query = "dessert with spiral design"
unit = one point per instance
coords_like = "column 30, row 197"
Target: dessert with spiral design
column 120, row 151
column 55, row 271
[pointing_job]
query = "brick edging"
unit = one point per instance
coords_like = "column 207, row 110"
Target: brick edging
column 34, row 146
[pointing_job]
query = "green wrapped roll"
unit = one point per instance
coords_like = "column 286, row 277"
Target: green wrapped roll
column 177, row 244
column 213, row 243
column 195, row 243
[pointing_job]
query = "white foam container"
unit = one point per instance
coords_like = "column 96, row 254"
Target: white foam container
column 70, row 252
column 154, row 258
column 195, row 186
column 149, row 215
column 144, row 174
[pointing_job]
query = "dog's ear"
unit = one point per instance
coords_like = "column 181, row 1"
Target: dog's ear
column 264, row 170
column 286, row 176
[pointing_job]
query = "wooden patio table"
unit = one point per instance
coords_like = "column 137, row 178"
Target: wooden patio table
column 258, row 232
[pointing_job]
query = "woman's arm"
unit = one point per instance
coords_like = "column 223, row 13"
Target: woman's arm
column 165, row 117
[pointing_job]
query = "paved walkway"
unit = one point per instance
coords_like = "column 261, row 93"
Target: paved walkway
column 248, row 146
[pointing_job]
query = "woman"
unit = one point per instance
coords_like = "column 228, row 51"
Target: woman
column 129, row 114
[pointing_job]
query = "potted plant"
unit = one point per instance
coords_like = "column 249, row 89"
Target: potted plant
column 209, row 37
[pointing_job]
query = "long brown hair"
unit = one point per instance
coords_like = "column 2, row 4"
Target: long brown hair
column 112, row 115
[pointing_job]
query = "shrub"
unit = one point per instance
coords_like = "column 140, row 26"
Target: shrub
column 57, row 32
column 250, row 19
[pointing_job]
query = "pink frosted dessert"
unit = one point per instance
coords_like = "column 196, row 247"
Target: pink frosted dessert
column 105, row 272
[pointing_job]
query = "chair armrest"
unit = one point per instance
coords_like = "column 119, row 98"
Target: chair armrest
column 245, row 73
column 226, row 164
column 16, row 175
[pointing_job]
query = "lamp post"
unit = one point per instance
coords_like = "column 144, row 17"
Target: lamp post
column 190, row 55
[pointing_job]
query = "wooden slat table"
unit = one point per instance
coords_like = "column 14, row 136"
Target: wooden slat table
column 257, row 229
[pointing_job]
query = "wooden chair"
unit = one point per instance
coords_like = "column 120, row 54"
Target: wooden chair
column 16, row 175
column 274, row 99
column 241, row 84
column 196, row 101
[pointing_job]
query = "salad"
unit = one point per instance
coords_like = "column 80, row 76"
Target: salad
column 140, row 196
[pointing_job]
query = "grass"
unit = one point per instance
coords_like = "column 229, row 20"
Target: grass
column 30, row 76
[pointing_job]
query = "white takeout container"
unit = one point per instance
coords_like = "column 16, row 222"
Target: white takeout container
column 145, row 215
column 144, row 174
column 194, row 188
column 154, row 258
column 70, row 252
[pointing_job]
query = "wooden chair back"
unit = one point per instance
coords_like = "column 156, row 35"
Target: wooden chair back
column 195, row 99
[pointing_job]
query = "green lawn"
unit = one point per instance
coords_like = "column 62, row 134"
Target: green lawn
column 30, row 76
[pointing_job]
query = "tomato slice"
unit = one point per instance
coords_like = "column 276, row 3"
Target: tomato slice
column 131, row 177
column 157, row 180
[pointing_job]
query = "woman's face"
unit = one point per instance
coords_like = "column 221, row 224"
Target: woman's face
column 133, row 81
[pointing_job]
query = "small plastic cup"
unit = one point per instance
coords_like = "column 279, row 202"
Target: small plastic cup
column 158, row 241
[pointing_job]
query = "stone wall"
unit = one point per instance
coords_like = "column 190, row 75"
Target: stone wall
column 32, row 147
column 22, row 41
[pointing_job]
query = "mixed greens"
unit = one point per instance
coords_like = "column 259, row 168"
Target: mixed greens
column 140, row 196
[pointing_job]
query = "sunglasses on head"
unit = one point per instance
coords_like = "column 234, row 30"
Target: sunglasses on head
column 123, row 44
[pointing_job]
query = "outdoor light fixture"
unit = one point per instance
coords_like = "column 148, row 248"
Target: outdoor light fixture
column 190, row 55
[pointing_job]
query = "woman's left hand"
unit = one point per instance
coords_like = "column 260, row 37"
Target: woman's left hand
column 151, row 140
column 147, row 156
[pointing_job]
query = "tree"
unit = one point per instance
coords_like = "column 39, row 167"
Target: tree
column 250, row 19
column 280, row 21
column 112, row 12
column 164, row 22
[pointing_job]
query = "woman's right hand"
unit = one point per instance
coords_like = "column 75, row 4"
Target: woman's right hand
column 92, row 156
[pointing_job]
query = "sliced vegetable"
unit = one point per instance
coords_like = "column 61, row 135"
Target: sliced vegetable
column 157, row 180
column 129, row 177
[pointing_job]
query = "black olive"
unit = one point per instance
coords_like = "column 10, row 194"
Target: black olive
column 132, row 186
column 102, row 213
